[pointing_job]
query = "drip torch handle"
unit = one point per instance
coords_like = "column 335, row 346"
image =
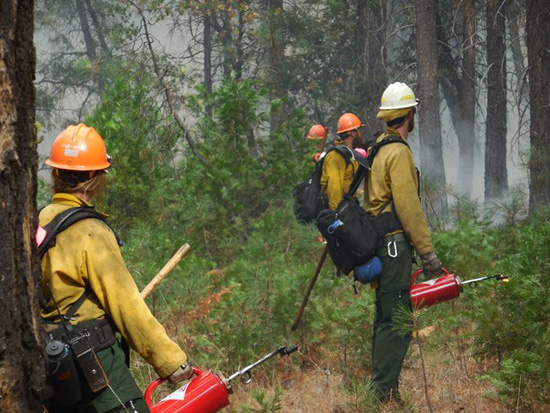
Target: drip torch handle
column 155, row 383
column 420, row 271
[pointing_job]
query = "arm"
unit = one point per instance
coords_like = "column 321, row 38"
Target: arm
column 119, row 297
column 334, row 169
column 404, row 189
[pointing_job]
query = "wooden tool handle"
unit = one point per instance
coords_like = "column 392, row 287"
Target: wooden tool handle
column 176, row 258
column 308, row 292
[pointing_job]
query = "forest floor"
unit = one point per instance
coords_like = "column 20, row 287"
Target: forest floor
column 453, row 386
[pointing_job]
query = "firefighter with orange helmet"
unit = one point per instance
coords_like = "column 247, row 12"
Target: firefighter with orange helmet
column 337, row 172
column 85, row 281
column 392, row 187
column 318, row 134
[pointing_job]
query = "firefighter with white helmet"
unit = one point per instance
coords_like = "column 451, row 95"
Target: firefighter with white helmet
column 392, row 186
column 337, row 171
column 86, row 282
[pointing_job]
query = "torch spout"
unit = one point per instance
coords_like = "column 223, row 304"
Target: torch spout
column 246, row 374
column 475, row 281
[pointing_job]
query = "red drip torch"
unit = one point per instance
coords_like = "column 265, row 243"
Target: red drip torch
column 208, row 392
column 442, row 289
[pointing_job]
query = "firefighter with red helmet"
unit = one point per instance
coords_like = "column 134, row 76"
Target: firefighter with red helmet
column 392, row 186
column 337, row 172
column 85, row 281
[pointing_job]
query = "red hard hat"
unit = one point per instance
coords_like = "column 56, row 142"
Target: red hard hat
column 78, row 148
column 347, row 122
column 317, row 132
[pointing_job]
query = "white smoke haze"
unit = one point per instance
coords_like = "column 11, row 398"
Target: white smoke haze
column 166, row 40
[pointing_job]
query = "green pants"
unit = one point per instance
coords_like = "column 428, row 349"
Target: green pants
column 122, row 389
column 391, row 337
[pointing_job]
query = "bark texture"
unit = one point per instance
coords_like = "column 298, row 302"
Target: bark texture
column 431, row 156
column 496, row 175
column 21, row 359
column 538, row 54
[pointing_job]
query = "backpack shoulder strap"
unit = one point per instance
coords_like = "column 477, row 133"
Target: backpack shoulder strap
column 64, row 220
column 366, row 166
column 373, row 150
column 60, row 223
column 346, row 153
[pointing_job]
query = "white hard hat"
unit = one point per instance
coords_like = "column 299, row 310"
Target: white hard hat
column 398, row 96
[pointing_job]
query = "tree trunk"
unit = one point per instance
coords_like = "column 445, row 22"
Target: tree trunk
column 276, row 58
column 21, row 348
column 88, row 39
column 207, row 63
column 496, row 175
column 207, row 44
column 514, row 13
column 459, row 90
column 538, row 54
column 467, row 101
column 431, row 156
column 98, row 28
column 371, row 78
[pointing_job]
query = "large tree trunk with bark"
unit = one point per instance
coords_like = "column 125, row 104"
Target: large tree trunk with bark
column 21, row 349
column 538, row 53
column 431, row 156
column 496, row 175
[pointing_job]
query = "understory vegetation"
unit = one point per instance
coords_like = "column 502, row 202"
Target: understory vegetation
column 233, row 298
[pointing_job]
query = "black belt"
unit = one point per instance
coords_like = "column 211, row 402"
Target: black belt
column 102, row 333
column 394, row 238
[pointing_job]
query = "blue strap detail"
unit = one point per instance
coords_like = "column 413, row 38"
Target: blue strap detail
column 333, row 227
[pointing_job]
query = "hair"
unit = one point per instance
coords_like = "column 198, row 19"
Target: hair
column 395, row 123
column 345, row 135
column 70, row 182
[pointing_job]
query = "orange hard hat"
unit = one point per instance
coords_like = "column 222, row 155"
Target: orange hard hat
column 317, row 132
column 79, row 148
column 347, row 122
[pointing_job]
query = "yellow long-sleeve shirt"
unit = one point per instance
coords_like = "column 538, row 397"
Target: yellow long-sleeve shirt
column 87, row 253
column 336, row 177
column 393, row 175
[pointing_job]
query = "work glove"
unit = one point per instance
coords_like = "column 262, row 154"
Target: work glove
column 183, row 372
column 431, row 264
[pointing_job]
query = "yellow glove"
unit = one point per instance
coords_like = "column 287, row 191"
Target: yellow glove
column 183, row 372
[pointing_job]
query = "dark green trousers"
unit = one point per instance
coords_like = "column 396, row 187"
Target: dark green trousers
column 122, row 389
column 391, row 338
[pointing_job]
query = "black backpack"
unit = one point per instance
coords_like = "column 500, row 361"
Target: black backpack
column 309, row 199
column 352, row 235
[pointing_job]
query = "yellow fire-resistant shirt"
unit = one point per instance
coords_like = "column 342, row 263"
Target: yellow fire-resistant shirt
column 336, row 177
column 394, row 175
column 87, row 253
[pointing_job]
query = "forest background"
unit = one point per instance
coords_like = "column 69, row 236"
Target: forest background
column 204, row 105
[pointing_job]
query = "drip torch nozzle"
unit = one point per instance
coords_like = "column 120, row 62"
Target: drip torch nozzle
column 288, row 351
column 473, row 283
column 246, row 374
